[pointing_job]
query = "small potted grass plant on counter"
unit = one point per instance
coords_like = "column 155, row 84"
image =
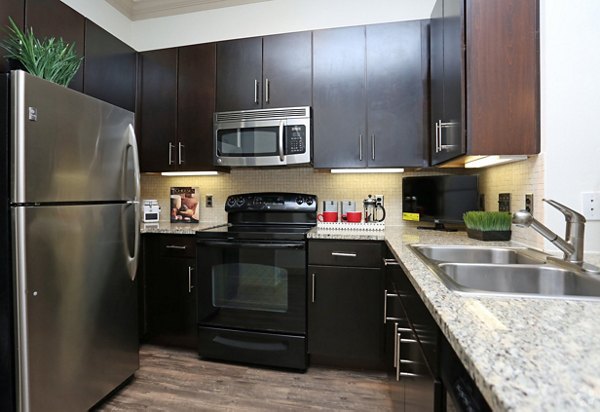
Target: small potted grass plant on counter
column 488, row 225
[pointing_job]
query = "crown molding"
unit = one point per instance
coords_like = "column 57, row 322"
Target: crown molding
column 147, row 9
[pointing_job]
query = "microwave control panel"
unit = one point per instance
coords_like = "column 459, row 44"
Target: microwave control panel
column 295, row 139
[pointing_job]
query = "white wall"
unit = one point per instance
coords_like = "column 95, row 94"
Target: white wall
column 570, row 112
column 271, row 17
column 105, row 16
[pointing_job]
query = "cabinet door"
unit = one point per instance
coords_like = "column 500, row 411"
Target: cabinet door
column 452, row 136
column 239, row 74
column 287, row 70
column 196, row 106
column 170, row 295
column 110, row 67
column 339, row 98
column 16, row 10
column 436, row 77
column 53, row 18
column 345, row 311
column 396, row 94
column 158, row 113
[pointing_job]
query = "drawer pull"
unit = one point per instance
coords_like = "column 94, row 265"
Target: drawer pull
column 176, row 247
column 390, row 262
column 343, row 254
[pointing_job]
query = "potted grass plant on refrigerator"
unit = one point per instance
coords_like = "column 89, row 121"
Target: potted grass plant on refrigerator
column 51, row 58
column 488, row 225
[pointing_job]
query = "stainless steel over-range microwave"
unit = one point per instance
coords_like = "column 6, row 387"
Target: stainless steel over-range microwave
column 264, row 137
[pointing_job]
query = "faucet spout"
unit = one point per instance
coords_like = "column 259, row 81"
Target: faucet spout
column 523, row 218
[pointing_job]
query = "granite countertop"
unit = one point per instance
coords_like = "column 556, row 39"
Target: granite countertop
column 523, row 353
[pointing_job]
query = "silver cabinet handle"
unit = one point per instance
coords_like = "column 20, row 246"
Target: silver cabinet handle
column 373, row 146
column 360, row 148
column 267, row 91
column 255, row 91
column 442, row 126
column 313, row 289
column 179, row 149
column 190, row 286
column 171, row 146
column 343, row 254
column 176, row 247
column 395, row 344
column 437, row 136
column 385, row 296
column 390, row 262
column 398, row 363
column 280, row 143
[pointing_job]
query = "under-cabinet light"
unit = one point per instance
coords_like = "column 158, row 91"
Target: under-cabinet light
column 486, row 161
column 209, row 173
column 397, row 170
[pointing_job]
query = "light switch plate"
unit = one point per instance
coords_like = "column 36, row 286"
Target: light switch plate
column 591, row 205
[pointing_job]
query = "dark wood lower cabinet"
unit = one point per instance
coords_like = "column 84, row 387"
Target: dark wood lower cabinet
column 169, row 281
column 345, row 305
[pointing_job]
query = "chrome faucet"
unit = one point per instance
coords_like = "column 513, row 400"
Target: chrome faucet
column 572, row 245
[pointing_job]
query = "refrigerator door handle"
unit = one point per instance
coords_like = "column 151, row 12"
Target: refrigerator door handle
column 133, row 258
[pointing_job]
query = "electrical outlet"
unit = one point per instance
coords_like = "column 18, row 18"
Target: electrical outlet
column 591, row 205
column 529, row 202
column 504, row 202
column 208, row 201
column 379, row 200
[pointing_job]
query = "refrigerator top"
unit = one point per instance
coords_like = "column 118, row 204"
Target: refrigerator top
column 67, row 147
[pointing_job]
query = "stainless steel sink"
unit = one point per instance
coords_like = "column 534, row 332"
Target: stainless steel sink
column 506, row 271
column 479, row 254
column 538, row 280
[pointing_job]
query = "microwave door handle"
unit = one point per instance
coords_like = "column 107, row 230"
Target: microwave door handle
column 281, row 129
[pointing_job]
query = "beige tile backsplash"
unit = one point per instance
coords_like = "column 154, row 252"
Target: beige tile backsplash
column 517, row 178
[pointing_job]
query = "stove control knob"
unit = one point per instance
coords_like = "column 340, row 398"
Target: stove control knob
column 299, row 200
column 240, row 201
column 309, row 201
column 231, row 201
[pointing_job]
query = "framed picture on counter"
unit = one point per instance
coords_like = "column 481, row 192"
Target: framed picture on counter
column 185, row 206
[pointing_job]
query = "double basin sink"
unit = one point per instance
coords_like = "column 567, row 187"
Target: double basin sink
column 506, row 271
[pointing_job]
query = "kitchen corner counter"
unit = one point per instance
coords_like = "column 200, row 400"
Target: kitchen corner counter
column 523, row 353
column 166, row 227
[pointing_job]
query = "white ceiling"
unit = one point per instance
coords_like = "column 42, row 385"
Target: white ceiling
column 147, row 9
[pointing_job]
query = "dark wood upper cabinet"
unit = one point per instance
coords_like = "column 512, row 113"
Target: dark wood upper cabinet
column 370, row 96
column 339, row 98
column 53, row 18
column 158, row 111
column 196, row 105
column 176, row 109
column 239, row 74
column 397, row 75
column 484, row 79
column 287, row 70
column 16, row 10
column 273, row 71
column 110, row 67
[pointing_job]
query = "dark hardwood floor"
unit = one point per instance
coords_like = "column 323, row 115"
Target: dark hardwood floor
column 177, row 380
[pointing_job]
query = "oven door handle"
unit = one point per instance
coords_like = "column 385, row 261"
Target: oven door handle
column 234, row 244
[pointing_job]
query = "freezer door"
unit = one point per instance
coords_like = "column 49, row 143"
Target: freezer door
column 68, row 147
column 76, row 300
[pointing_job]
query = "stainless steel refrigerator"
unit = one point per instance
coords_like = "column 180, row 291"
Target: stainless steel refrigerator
column 70, row 234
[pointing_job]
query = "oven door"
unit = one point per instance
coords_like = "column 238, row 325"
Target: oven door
column 252, row 285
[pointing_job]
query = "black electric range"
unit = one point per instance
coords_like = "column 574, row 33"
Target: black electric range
column 252, row 278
